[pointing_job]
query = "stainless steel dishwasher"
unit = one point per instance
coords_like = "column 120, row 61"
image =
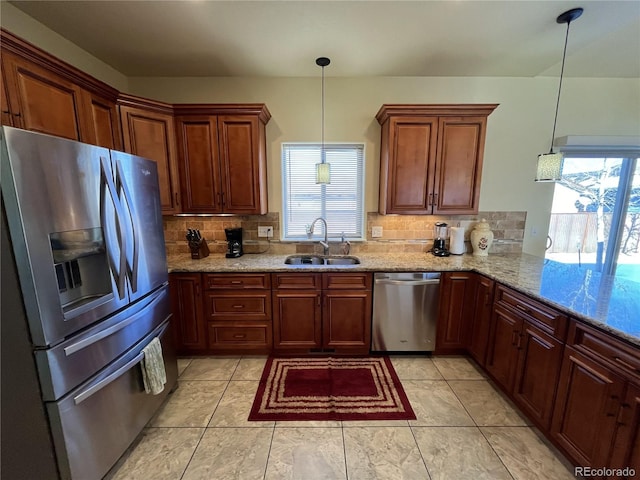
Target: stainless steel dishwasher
column 405, row 310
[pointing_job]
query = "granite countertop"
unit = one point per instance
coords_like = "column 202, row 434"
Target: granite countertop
column 610, row 303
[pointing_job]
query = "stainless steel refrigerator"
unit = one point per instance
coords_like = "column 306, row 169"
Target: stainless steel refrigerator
column 84, row 291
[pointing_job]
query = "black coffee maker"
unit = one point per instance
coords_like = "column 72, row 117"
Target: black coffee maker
column 234, row 242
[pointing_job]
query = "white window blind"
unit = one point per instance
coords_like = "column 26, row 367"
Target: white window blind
column 340, row 203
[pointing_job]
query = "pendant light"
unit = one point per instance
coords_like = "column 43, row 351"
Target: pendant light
column 323, row 169
column 550, row 164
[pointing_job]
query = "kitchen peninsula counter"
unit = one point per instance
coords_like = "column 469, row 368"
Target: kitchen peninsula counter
column 609, row 303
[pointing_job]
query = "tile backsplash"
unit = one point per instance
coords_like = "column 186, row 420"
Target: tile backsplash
column 411, row 233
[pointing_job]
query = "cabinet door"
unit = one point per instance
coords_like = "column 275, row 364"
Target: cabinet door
column 187, row 307
column 103, row 128
column 42, row 101
column 456, row 293
column 626, row 450
column 502, row 353
column 152, row 135
column 539, row 363
column 242, row 166
column 481, row 324
column 5, row 113
column 459, row 164
column 297, row 320
column 346, row 321
column 197, row 138
column 587, row 403
column 407, row 165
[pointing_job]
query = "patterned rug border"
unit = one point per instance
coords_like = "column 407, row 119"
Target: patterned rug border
column 389, row 403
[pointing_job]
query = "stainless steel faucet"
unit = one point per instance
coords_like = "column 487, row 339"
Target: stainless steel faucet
column 325, row 243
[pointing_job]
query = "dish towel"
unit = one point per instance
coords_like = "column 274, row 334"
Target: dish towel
column 153, row 373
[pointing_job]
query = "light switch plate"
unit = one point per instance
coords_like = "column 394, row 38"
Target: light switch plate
column 265, row 232
column 376, row 232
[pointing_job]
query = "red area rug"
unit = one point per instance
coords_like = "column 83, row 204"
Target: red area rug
column 330, row 388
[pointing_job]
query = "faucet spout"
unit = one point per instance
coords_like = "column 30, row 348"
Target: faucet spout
column 325, row 243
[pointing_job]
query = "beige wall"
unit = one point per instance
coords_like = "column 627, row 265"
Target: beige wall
column 518, row 130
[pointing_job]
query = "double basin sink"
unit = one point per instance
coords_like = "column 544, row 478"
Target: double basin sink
column 311, row 260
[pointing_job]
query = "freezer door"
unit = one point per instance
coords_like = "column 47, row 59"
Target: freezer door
column 94, row 424
column 70, row 363
column 137, row 186
column 52, row 190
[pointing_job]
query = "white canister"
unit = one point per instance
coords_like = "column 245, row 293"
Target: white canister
column 481, row 239
column 456, row 240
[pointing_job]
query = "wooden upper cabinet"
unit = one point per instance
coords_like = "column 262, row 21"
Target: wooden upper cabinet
column 241, row 168
column 431, row 158
column 103, row 128
column 42, row 101
column 148, row 131
column 5, row 113
column 197, row 138
column 222, row 158
column 458, row 164
column 44, row 94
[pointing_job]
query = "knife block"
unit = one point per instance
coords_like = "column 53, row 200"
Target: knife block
column 199, row 249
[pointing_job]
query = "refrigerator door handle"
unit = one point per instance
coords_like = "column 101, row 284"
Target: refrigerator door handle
column 106, row 185
column 131, row 269
column 84, row 343
column 95, row 388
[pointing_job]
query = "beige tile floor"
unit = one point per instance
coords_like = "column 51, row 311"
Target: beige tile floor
column 465, row 429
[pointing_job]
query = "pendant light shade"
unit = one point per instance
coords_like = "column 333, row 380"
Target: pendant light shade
column 323, row 169
column 550, row 164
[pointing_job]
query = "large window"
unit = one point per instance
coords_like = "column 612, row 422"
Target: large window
column 340, row 203
column 595, row 218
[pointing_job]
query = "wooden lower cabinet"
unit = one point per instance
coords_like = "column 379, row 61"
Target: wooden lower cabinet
column 188, row 318
column 524, row 358
column 455, row 312
column 584, row 419
column 626, row 446
column 238, row 312
column 322, row 312
column 346, row 321
column 482, row 302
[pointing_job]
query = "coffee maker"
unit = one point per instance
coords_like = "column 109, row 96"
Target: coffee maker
column 441, row 232
column 234, row 242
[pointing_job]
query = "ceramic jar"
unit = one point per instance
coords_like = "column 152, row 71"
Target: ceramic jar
column 481, row 239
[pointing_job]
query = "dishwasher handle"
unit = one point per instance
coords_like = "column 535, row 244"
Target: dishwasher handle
column 386, row 281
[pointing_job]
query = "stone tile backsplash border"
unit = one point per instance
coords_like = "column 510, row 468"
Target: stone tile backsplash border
column 410, row 233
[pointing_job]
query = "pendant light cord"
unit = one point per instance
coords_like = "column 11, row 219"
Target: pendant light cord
column 555, row 120
column 322, row 153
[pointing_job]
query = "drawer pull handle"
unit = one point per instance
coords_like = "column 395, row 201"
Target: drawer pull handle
column 522, row 309
column 236, row 282
column 239, row 335
column 626, row 364
column 238, row 306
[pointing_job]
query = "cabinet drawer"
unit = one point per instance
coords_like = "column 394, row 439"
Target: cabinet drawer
column 544, row 316
column 240, row 336
column 237, row 280
column 597, row 344
column 238, row 306
column 298, row 281
column 341, row 281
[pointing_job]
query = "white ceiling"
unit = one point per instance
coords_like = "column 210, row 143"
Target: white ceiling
column 362, row 38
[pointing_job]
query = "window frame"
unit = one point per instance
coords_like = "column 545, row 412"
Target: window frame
column 319, row 231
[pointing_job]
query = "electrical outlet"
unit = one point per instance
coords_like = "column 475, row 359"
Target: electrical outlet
column 265, row 232
column 376, row 232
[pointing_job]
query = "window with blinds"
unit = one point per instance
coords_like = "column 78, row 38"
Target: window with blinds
column 340, row 203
